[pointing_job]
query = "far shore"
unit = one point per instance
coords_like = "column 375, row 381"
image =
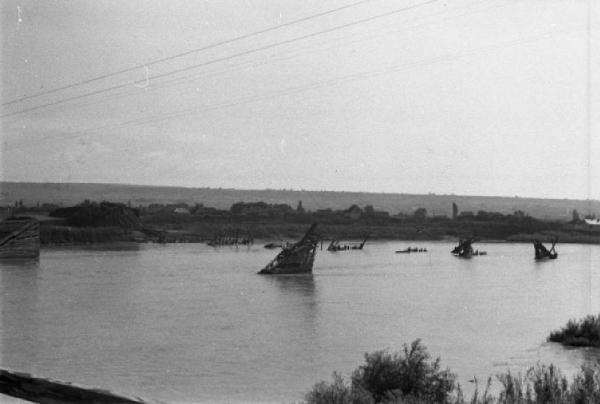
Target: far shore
column 59, row 236
column 106, row 222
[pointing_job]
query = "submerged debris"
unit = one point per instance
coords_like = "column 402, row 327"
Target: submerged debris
column 297, row 258
column 19, row 238
column 411, row 250
column 464, row 249
column 336, row 246
column 542, row 253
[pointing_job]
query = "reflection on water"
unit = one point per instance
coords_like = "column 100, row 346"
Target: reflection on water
column 189, row 323
column 298, row 292
column 301, row 285
column 19, row 315
column 115, row 246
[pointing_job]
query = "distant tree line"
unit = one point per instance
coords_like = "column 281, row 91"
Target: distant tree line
column 416, row 224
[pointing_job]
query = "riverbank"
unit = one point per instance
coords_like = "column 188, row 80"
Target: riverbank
column 411, row 376
column 198, row 232
column 92, row 222
column 42, row 390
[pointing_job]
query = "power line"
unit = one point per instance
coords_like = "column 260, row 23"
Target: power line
column 189, row 52
column 177, row 81
column 321, row 84
column 247, row 52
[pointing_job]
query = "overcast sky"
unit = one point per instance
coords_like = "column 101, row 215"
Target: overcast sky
column 465, row 97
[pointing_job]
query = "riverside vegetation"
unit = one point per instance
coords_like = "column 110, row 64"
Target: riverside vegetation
column 91, row 222
column 579, row 333
column 411, row 377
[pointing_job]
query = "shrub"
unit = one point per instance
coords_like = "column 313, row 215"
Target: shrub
column 411, row 378
column 409, row 374
column 585, row 332
column 337, row 392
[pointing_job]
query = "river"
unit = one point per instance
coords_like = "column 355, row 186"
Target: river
column 187, row 323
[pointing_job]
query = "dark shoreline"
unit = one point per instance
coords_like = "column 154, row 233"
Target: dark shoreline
column 52, row 235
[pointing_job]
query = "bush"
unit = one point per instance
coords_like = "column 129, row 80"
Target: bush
column 408, row 377
column 409, row 374
column 411, row 378
column 585, row 332
column 337, row 393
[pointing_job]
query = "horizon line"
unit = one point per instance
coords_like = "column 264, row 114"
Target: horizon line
column 297, row 190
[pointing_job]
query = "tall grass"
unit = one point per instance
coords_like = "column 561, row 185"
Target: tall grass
column 411, row 377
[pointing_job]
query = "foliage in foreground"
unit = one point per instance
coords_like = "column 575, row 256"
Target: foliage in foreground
column 582, row 333
column 411, row 377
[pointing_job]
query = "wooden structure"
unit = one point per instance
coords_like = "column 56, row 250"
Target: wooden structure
column 411, row 250
column 542, row 253
column 335, row 246
column 235, row 240
column 19, row 238
column 464, row 249
column 592, row 221
column 297, row 258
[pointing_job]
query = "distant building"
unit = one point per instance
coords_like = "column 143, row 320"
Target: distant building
column 182, row 211
column 354, row 212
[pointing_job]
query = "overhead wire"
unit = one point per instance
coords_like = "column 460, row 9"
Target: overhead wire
column 322, row 84
column 333, row 44
column 189, row 52
column 221, row 59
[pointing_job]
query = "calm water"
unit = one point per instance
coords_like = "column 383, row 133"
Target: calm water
column 189, row 323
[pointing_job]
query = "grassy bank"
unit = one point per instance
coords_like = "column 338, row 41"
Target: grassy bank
column 203, row 231
column 579, row 333
column 411, row 377
column 356, row 231
column 59, row 235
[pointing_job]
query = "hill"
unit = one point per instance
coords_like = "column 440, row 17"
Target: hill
column 66, row 194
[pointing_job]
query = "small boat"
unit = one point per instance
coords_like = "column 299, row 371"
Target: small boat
column 411, row 250
column 19, row 238
column 297, row 258
column 542, row 253
column 592, row 221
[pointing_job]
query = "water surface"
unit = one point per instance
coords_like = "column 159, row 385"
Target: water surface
column 190, row 323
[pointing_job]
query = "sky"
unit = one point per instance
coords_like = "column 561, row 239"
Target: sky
column 495, row 97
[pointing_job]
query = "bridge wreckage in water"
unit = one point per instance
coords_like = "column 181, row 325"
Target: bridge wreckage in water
column 464, row 249
column 542, row 253
column 297, row 258
column 336, row 246
column 19, row 238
